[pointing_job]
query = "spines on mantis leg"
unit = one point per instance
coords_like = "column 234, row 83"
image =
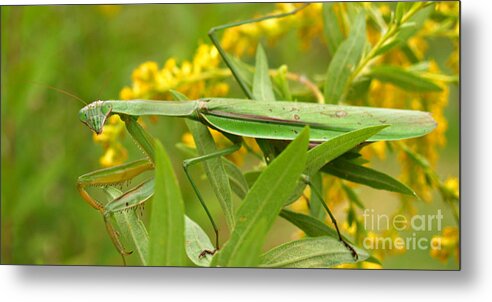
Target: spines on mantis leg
column 110, row 176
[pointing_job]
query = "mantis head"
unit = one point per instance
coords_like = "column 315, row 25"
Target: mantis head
column 94, row 115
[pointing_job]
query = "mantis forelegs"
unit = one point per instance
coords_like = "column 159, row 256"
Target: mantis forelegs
column 111, row 176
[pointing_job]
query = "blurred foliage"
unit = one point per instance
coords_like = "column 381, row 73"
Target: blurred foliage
column 94, row 51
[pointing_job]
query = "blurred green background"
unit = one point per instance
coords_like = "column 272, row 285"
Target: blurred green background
column 91, row 52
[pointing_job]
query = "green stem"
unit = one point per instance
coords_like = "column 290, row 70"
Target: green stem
column 392, row 31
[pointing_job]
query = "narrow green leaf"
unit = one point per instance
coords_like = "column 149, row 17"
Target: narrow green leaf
column 403, row 78
column 281, row 84
column 166, row 230
column 353, row 196
column 416, row 22
column 331, row 28
column 344, row 61
column 311, row 252
column 387, row 46
column 329, row 150
column 313, row 227
column 359, row 88
column 178, row 96
column 131, row 228
column 214, row 168
column 244, row 71
column 236, row 178
column 263, row 204
column 262, row 85
column 366, row 176
column 315, row 204
column 251, row 177
column 401, row 9
column 196, row 242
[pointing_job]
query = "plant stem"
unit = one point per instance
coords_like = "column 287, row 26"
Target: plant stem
column 392, row 31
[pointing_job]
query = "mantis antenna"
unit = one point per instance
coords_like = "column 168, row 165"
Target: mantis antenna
column 62, row 91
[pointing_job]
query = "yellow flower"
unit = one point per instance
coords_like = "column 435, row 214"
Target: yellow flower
column 453, row 187
column 126, row 93
column 146, row 72
column 301, row 205
column 371, row 265
column 445, row 245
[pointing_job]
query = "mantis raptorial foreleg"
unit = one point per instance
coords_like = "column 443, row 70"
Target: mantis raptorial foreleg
column 138, row 195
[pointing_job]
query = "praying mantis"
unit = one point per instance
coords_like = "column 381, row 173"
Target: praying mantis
column 272, row 123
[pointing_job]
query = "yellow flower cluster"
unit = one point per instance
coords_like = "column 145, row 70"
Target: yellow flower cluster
column 243, row 39
column 446, row 245
column 200, row 77
column 194, row 79
column 452, row 187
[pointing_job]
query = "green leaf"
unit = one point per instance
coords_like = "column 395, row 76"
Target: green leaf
column 329, row 150
column 251, row 177
column 281, row 84
column 401, row 9
column 243, row 70
column 236, row 178
column 311, row 252
column 366, row 176
column 262, row 85
column 178, row 96
column 131, row 228
column 263, row 204
column 214, row 168
column 403, row 78
column 390, row 44
column 331, row 28
column 315, row 204
column 344, row 61
column 196, row 242
column 313, row 227
column 166, row 230
column 352, row 196
column 415, row 23
column 359, row 88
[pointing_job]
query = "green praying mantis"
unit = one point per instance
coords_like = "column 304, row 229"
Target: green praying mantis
column 272, row 123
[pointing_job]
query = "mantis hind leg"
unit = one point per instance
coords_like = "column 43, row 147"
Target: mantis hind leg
column 319, row 196
column 192, row 161
column 226, row 57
